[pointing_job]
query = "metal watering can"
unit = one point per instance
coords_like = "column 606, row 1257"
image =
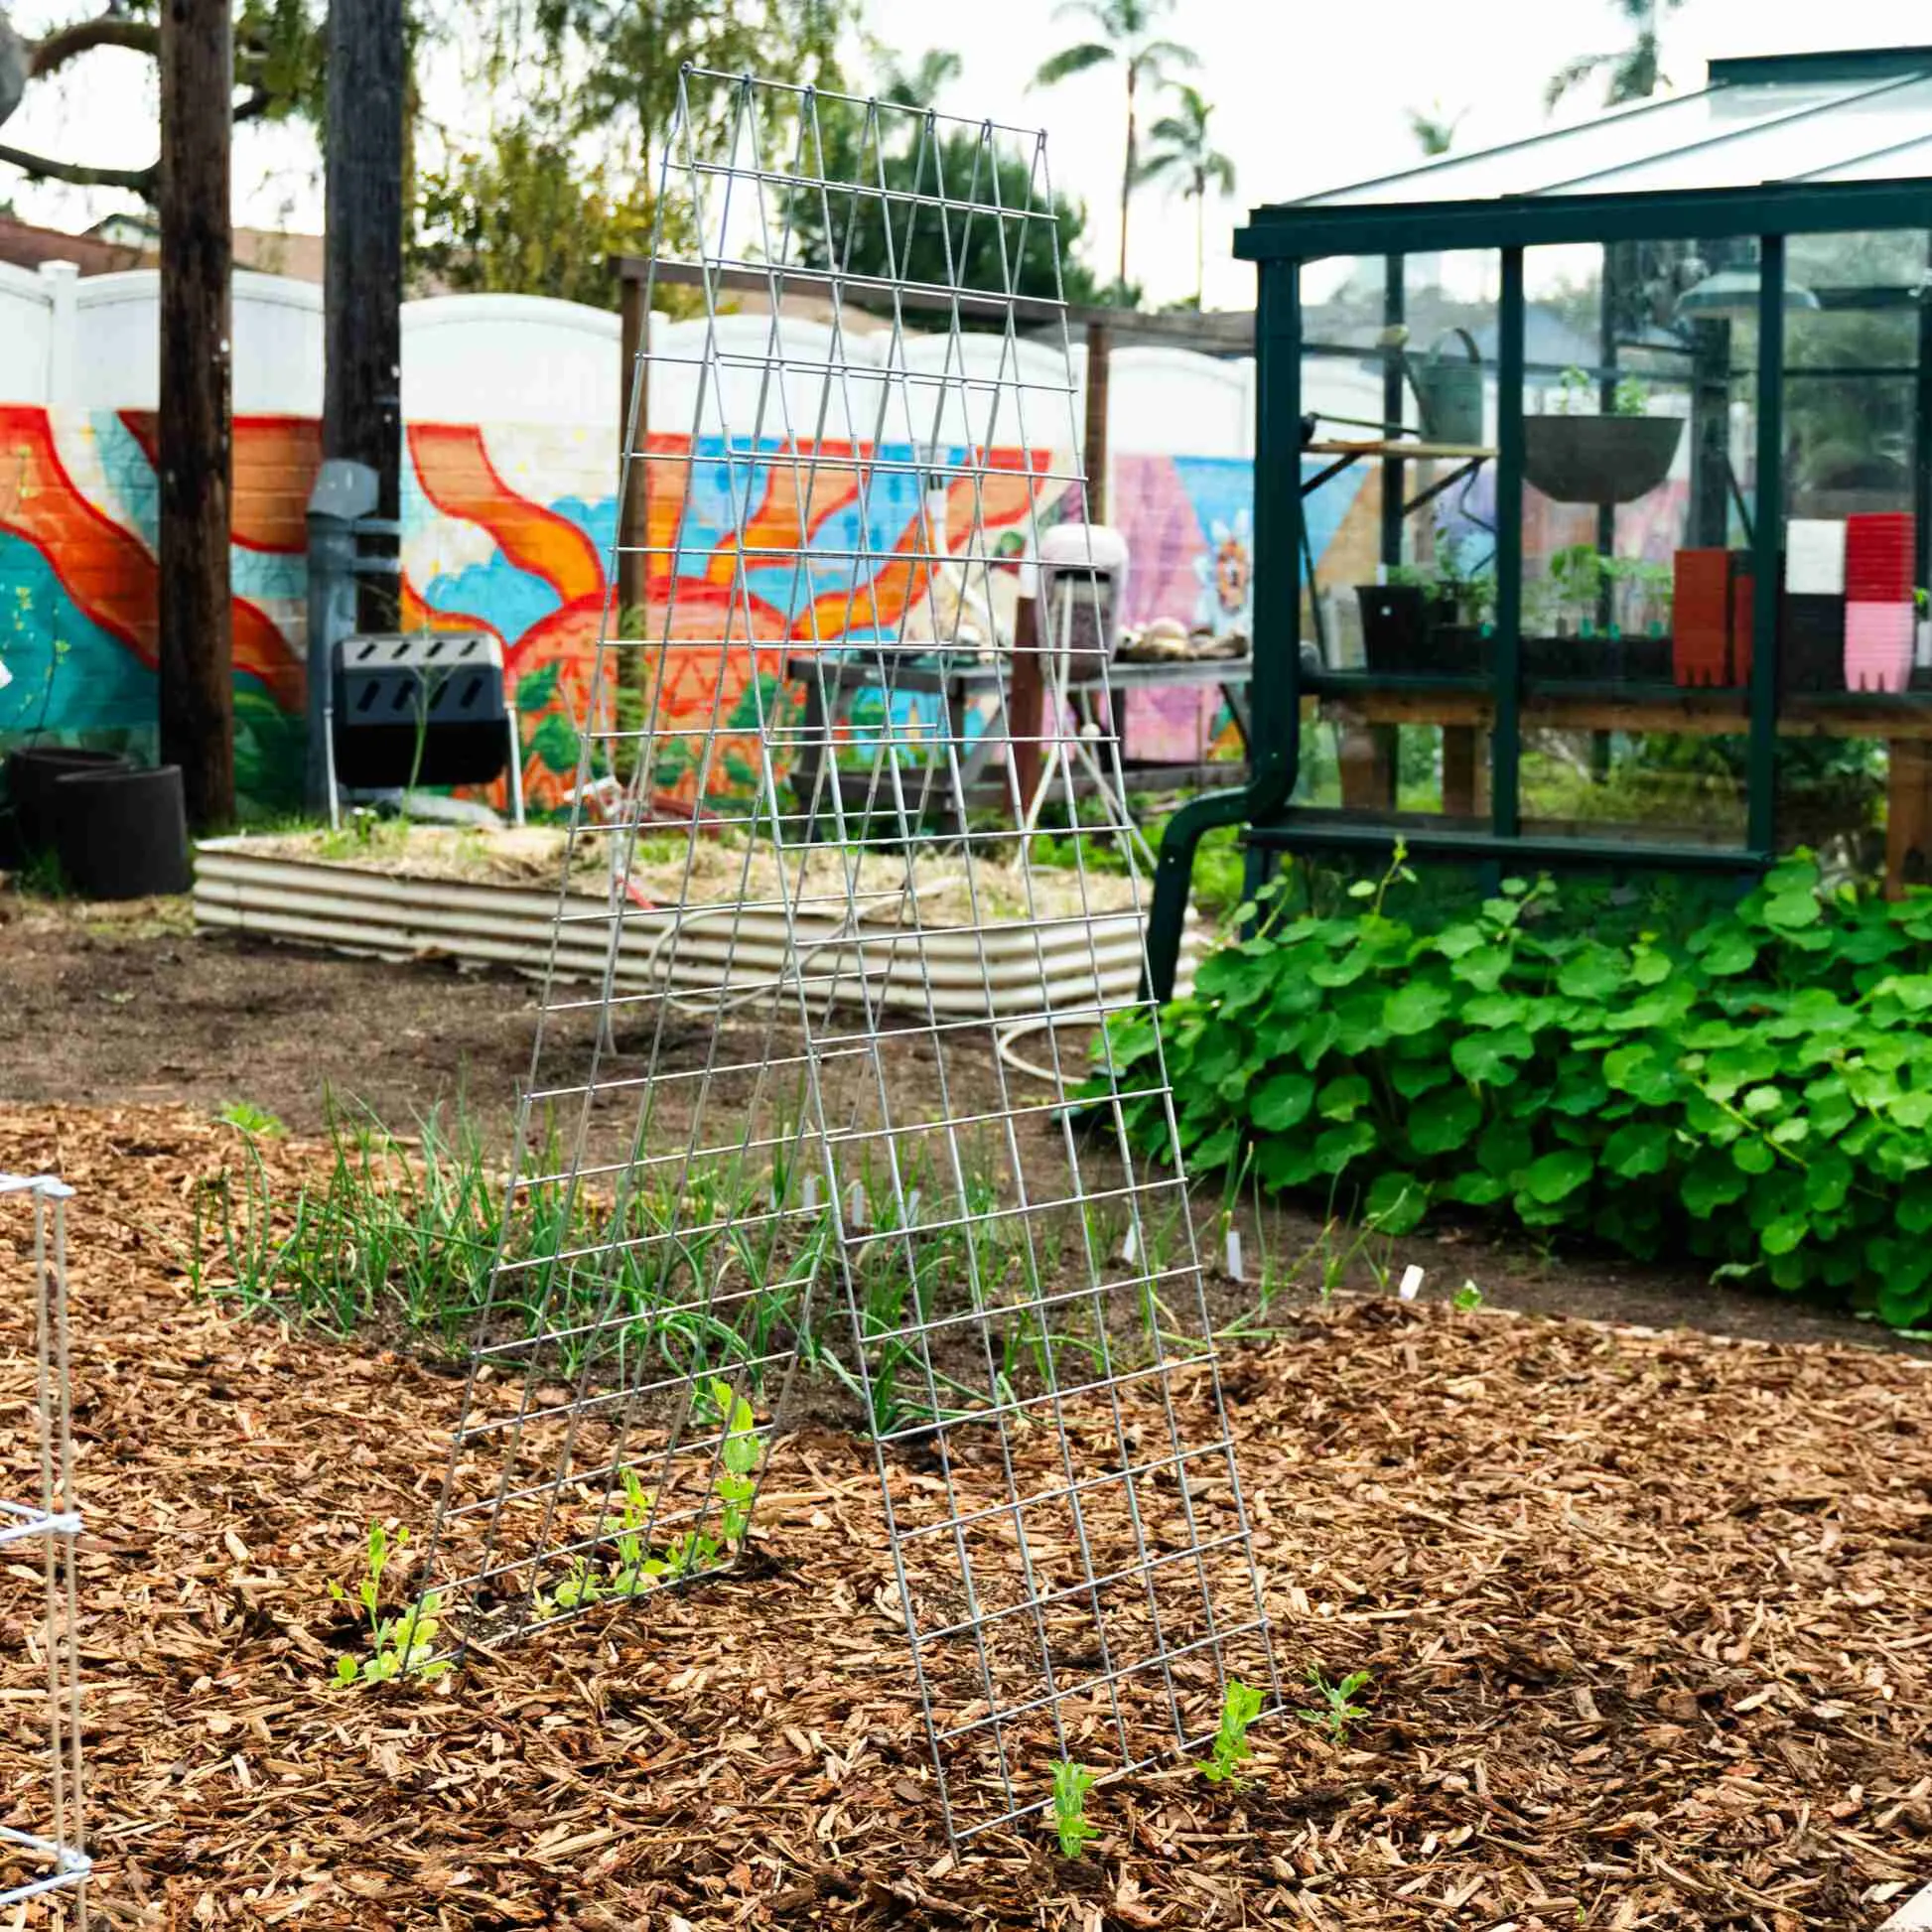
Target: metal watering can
column 1449, row 391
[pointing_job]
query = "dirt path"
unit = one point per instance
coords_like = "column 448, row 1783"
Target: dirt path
column 104, row 1006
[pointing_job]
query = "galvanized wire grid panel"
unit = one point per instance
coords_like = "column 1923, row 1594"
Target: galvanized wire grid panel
column 815, row 947
column 50, row 1863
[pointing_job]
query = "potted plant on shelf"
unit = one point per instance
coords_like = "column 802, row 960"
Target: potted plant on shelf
column 1573, row 454
column 1594, row 616
column 1428, row 617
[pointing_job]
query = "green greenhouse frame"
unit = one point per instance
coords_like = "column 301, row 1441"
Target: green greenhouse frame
column 1385, row 219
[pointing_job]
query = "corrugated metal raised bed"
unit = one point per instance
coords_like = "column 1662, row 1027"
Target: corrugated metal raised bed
column 492, row 900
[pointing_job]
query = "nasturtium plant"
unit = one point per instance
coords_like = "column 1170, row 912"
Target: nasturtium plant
column 1757, row 1095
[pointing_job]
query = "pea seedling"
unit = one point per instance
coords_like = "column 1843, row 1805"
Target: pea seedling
column 1240, row 1707
column 397, row 1644
column 1071, row 1783
column 738, row 1458
column 1339, row 1709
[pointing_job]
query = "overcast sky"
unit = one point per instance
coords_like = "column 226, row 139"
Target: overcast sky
column 1305, row 97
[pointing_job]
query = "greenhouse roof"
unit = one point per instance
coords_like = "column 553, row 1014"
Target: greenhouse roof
column 1762, row 140
column 1781, row 117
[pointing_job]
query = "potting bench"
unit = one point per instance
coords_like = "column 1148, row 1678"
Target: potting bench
column 834, row 678
column 1466, row 715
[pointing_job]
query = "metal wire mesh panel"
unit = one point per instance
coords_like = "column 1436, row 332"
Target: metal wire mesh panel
column 41, row 1852
column 818, row 1105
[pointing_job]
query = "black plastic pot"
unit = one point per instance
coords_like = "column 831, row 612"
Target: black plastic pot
column 1811, row 648
column 1395, row 626
column 1459, row 651
column 1646, row 661
column 1572, row 658
column 123, row 834
column 1599, row 458
column 32, row 772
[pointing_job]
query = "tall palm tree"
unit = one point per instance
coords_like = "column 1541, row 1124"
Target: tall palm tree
column 1634, row 74
column 918, row 86
column 1129, row 39
column 1182, row 151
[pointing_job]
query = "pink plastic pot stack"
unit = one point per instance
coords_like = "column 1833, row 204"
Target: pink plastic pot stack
column 1879, row 602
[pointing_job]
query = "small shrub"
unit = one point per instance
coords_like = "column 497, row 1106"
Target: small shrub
column 1758, row 1096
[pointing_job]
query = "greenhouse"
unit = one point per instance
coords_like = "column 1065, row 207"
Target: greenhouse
column 1643, row 368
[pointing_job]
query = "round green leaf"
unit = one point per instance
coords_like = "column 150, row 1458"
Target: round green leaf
column 1477, row 1189
column 1712, row 1182
column 1638, row 1146
column 1594, row 972
column 1733, row 951
column 1558, row 1175
column 1486, row 1057
column 1416, row 1007
column 1396, row 1202
column 1791, row 910
column 1343, row 1098
column 1340, row 1145
column 1784, row 1234
column 1282, row 1101
column 1445, row 1120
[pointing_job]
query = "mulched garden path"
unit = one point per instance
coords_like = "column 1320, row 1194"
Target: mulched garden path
column 1649, row 1617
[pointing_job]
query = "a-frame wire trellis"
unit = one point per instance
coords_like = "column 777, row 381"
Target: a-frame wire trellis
column 788, row 1078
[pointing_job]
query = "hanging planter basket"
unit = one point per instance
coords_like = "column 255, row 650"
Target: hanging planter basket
column 1599, row 458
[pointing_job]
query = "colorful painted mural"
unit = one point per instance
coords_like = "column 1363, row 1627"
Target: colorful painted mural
column 509, row 529
column 1188, row 524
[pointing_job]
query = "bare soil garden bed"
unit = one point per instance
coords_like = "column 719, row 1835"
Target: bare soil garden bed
column 1648, row 1618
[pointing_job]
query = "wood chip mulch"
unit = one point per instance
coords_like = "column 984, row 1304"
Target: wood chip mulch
column 1649, row 1618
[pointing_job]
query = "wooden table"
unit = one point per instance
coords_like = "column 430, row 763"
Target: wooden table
column 838, row 674
column 1367, row 713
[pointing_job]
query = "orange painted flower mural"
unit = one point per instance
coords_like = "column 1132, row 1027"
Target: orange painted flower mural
column 748, row 544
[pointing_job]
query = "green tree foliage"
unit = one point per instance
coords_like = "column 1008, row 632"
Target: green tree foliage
column 1125, row 37
column 1631, row 73
column 873, row 235
column 279, row 73
column 587, row 91
column 1182, row 151
column 1433, row 128
column 524, row 217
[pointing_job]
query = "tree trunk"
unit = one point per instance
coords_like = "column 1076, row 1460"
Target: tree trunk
column 362, row 405
column 1127, row 177
column 195, row 642
column 1201, row 243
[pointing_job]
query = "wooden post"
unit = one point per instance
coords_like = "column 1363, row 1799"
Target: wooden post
column 633, row 662
column 1466, row 772
column 633, row 532
column 196, row 641
column 1096, row 436
column 361, row 403
column 1026, row 703
column 1367, row 757
column 1908, row 816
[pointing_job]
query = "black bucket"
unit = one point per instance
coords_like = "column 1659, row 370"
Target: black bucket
column 32, row 773
column 123, row 834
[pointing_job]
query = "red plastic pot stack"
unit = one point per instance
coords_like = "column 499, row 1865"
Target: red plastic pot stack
column 1879, row 602
column 1701, row 617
